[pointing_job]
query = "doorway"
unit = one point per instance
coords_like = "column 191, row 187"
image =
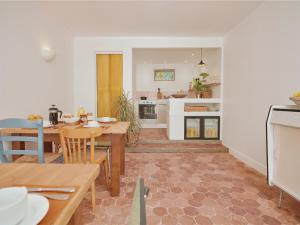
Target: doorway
column 109, row 74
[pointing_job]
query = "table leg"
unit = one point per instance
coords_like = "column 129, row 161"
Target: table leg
column 116, row 145
column 122, row 152
column 76, row 218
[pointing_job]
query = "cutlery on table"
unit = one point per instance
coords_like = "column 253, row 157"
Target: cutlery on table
column 51, row 189
column 54, row 196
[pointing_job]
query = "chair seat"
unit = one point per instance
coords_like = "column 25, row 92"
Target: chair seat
column 101, row 144
column 49, row 158
column 100, row 156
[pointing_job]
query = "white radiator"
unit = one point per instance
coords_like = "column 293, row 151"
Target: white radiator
column 283, row 148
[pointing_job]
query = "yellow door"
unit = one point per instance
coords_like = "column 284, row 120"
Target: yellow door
column 109, row 83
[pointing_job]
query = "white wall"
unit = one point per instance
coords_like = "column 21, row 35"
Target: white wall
column 184, row 62
column 27, row 83
column 184, row 73
column 86, row 48
column 261, row 68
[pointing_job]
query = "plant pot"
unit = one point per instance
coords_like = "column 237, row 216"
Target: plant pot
column 132, row 139
column 296, row 100
column 198, row 94
column 207, row 94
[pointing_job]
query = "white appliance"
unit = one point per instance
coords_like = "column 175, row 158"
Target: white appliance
column 147, row 112
column 283, row 152
column 153, row 113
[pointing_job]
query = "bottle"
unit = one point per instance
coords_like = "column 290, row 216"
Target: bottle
column 191, row 92
column 159, row 95
column 81, row 111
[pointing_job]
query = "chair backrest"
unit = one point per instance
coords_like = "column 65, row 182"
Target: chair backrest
column 7, row 137
column 74, row 142
column 138, row 209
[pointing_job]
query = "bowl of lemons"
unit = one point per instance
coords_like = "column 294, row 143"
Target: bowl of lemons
column 296, row 98
column 34, row 117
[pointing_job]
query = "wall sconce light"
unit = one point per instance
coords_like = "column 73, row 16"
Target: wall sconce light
column 47, row 53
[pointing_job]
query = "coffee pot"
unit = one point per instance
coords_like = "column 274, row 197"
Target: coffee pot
column 53, row 114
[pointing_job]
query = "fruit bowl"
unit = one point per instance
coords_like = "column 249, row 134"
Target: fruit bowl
column 178, row 95
column 296, row 100
column 71, row 120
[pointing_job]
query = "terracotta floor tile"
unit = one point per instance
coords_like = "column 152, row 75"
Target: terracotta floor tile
column 160, row 211
column 195, row 202
column 203, row 220
column 169, row 220
column 186, row 220
column 270, row 220
column 254, row 219
column 190, row 211
column 192, row 188
column 175, row 211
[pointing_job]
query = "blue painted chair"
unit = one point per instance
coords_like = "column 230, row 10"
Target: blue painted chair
column 28, row 156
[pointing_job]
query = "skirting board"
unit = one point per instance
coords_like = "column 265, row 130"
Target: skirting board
column 247, row 160
column 158, row 125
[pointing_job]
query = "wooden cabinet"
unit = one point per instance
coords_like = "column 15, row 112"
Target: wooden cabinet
column 202, row 127
column 162, row 109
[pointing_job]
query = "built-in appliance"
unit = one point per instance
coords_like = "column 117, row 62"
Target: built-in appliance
column 202, row 127
column 147, row 110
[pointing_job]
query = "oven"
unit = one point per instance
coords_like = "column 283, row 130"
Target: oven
column 147, row 110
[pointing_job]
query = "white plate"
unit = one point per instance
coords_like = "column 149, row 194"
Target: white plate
column 93, row 126
column 71, row 120
column 107, row 119
column 37, row 209
column 46, row 123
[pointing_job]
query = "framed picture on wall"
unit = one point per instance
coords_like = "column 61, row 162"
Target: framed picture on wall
column 164, row 75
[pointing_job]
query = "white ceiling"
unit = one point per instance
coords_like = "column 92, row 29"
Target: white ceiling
column 133, row 18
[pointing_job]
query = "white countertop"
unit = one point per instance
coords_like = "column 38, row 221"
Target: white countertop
column 184, row 100
column 195, row 100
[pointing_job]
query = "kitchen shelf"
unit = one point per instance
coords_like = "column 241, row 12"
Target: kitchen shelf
column 213, row 84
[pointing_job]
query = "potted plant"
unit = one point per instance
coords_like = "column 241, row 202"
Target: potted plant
column 126, row 112
column 201, row 89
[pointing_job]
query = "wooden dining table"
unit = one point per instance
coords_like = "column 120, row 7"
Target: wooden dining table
column 80, row 176
column 113, row 132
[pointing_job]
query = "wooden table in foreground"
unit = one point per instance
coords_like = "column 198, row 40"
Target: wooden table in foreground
column 52, row 175
column 115, row 132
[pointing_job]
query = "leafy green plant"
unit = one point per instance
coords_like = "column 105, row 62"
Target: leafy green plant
column 204, row 75
column 199, row 85
column 126, row 112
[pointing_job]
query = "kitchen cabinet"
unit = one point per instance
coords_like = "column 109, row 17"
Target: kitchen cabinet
column 202, row 127
column 162, row 109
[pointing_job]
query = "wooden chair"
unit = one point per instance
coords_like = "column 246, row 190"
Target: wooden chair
column 138, row 209
column 74, row 142
column 28, row 156
column 106, row 147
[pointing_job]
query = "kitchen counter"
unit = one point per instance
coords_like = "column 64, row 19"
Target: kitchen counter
column 194, row 100
column 176, row 114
